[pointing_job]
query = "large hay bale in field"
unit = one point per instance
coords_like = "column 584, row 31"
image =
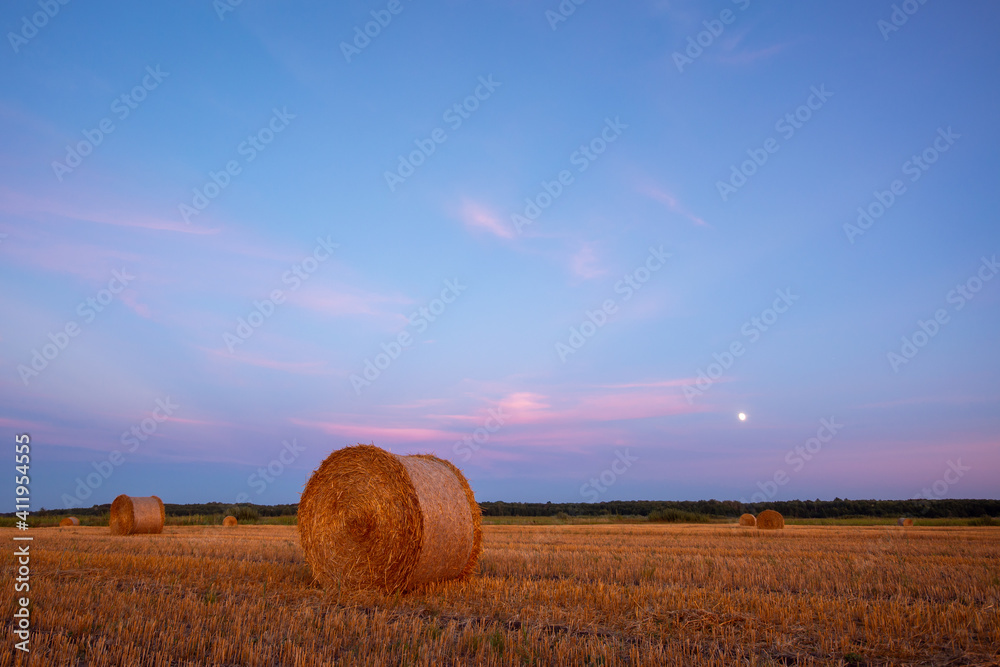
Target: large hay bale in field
column 131, row 515
column 748, row 520
column 904, row 522
column 229, row 521
column 770, row 520
column 70, row 521
column 371, row 519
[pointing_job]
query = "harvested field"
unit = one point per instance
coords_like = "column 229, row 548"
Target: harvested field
column 571, row 595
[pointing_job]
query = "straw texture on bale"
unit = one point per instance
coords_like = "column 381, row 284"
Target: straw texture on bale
column 371, row 519
column 904, row 522
column 131, row 515
column 748, row 520
column 70, row 521
column 770, row 520
column 229, row 521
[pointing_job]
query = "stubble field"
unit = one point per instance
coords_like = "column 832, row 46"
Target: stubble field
column 611, row 594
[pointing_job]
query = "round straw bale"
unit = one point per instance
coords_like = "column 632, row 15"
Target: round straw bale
column 770, row 520
column 70, row 521
column 904, row 522
column 748, row 520
column 371, row 519
column 229, row 521
column 131, row 515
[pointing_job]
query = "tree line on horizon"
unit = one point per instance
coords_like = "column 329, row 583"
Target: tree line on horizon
column 799, row 509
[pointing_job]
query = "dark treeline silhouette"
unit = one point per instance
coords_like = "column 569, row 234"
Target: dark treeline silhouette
column 800, row 509
column 182, row 510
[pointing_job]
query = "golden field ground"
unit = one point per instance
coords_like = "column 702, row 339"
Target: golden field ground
column 612, row 594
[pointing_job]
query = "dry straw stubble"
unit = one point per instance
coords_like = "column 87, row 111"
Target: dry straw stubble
column 748, row 520
column 371, row 519
column 132, row 515
column 770, row 520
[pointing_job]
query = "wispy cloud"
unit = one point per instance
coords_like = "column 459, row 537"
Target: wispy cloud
column 749, row 57
column 478, row 217
column 346, row 301
column 131, row 299
column 44, row 209
column 294, row 367
column 585, row 264
column 670, row 201
column 366, row 432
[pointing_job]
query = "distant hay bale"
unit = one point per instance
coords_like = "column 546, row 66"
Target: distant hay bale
column 371, row 519
column 229, row 521
column 70, row 521
column 904, row 522
column 748, row 520
column 770, row 520
column 130, row 515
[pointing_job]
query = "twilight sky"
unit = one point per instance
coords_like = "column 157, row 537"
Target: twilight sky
column 563, row 250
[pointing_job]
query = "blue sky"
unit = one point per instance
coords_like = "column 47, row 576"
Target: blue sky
column 251, row 257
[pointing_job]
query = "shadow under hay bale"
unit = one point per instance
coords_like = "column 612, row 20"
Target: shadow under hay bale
column 770, row 520
column 229, row 521
column 134, row 515
column 371, row 519
column 748, row 520
column 904, row 522
column 70, row 521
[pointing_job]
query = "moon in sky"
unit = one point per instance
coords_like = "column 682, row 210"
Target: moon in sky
column 742, row 416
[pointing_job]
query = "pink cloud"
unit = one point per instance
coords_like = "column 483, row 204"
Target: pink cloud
column 365, row 433
column 19, row 424
column 585, row 264
column 670, row 201
column 656, row 384
column 131, row 299
column 88, row 262
column 477, row 216
column 346, row 301
column 295, row 367
column 16, row 203
column 200, row 422
column 747, row 57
